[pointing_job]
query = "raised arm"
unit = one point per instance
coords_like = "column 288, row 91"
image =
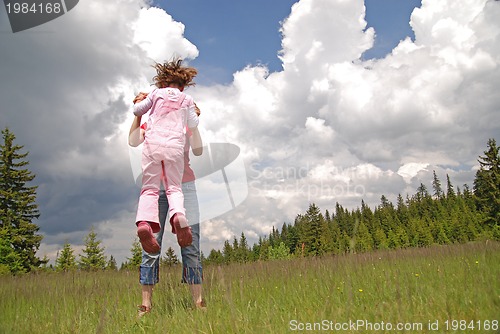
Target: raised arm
column 196, row 142
column 136, row 134
column 195, row 139
column 192, row 118
column 142, row 103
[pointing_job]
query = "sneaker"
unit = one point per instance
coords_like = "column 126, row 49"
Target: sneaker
column 184, row 235
column 147, row 239
column 142, row 310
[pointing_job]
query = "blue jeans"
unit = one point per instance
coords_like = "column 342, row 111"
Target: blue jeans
column 192, row 272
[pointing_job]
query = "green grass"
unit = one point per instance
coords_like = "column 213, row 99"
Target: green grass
column 439, row 283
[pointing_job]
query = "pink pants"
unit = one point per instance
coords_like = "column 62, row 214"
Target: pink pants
column 159, row 160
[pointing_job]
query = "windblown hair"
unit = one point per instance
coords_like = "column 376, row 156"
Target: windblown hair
column 173, row 72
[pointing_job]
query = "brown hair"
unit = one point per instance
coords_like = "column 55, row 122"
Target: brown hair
column 173, row 72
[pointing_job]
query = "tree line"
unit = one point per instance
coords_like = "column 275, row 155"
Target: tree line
column 94, row 258
column 447, row 215
column 443, row 216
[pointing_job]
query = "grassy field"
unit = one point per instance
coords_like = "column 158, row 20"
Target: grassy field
column 440, row 289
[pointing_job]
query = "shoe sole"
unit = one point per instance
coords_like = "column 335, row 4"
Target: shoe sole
column 147, row 240
column 184, row 235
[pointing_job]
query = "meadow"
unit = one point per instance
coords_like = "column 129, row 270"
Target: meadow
column 437, row 289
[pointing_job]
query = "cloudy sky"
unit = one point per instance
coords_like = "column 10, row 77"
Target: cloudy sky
column 327, row 100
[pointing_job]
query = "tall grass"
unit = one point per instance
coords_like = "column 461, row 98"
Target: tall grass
column 426, row 285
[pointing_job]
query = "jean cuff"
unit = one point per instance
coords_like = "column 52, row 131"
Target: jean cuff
column 192, row 275
column 149, row 275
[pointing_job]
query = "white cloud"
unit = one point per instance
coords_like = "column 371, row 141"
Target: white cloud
column 158, row 34
column 382, row 123
column 410, row 170
column 319, row 129
column 216, row 231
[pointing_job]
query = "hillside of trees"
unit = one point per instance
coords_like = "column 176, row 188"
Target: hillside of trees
column 439, row 216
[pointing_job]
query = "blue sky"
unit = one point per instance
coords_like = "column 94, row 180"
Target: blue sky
column 233, row 34
column 390, row 18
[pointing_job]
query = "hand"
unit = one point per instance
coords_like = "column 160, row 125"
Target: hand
column 139, row 97
column 197, row 110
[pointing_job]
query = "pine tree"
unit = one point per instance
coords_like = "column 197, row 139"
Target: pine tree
column 278, row 252
column 393, row 240
column 215, row 257
column 263, row 247
column 17, row 208
column 364, row 240
column 45, row 265
column 94, row 258
column 254, row 252
column 439, row 233
column 404, row 241
column 112, row 264
column 274, row 237
column 170, row 259
column 384, row 202
column 326, row 242
column 487, row 184
column 10, row 261
column 402, row 211
column 384, row 216
column 467, row 214
column 136, row 259
column 313, row 228
column 66, row 260
column 380, row 239
column 327, row 216
column 450, row 192
column 424, row 234
column 436, row 185
column 236, row 255
column 336, row 237
column 367, row 214
column 345, row 243
column 227, row 251
column 292, row 238
column 344, row 220
column 243, row 249
column 284, row 233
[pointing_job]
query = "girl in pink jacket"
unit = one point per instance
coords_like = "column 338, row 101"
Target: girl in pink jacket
column 163, row 151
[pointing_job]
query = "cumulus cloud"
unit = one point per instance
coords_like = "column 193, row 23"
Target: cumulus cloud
column 329, row 127
column 360, row 129
column 158, row 34
column 410, row 170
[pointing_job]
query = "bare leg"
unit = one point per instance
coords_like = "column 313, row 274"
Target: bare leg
column 147, row 293
column 196, row 292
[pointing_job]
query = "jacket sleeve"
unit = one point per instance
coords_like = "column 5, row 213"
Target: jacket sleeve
column 140, row 108
column 192, row 119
